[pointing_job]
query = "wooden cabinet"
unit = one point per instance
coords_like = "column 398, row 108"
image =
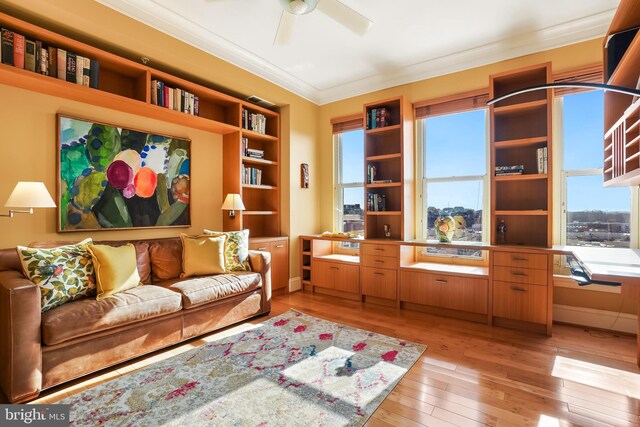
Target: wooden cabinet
column 278, row 247
column 516, row 301
column 444, row 291
column 621, row 113
column 522, row 290
column 520, row 127
column 336, row 275
column 379, row 282
column 388, row 146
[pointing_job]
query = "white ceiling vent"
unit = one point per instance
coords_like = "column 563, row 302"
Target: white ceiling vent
column 261, row 102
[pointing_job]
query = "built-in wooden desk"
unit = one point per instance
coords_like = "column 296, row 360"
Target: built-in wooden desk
column 611, row 265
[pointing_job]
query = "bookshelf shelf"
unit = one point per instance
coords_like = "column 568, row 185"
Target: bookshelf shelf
column 384, row 185
column 633, row 142
column 633, row 126
column 384, row 157
column 255, row 161
column 259, row 187
column 633, row 156
column 535, row 212
column 521, row 142
column 383, row 129
column 258, row 136
column 384, row 213
column 259, row 212
column 519, row 108
column 523, row 177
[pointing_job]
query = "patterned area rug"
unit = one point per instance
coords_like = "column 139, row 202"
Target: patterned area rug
column 293, row 369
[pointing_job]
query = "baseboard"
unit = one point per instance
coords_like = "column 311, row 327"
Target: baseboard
column 601, row 319
column 295, row 284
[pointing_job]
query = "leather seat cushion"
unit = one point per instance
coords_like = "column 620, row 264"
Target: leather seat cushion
column 166, row 259
column 200, row 290
column 86, row 316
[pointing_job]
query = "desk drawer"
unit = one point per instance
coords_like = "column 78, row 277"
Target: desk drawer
column 520, row 275
column 380, row 250
column 379, row 282
column 527, row 303
column 521, row 260
column 379, row 261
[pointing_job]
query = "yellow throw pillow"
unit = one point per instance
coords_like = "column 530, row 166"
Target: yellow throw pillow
column 116, row 268
column 202, row 255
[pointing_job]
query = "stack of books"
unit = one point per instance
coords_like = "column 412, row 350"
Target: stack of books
column 254, row 154
column 254, row 121
column 509, row 170
column 378, row 118
column 371, row 173
column 174, row 98
column 376, row 202
column 34, row 55
column 251, row 176
column 542, row 159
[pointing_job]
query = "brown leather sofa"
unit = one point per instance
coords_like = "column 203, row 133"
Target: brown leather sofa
column 40, row 350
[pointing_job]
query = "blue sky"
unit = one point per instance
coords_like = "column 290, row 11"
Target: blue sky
column 456, row 147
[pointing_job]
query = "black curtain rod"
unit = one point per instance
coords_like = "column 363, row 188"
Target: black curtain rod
column 605, row 87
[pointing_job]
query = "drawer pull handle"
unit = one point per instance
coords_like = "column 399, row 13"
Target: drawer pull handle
column 516, row 273
column 518, row 289
column 378, row 274
column 262, row 249
column 518, row 259
column 377, row 261
column 279, row 246
column 378, row 249
column 441, row 281
column 334, row 268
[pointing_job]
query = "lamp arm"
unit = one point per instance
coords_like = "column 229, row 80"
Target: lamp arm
column 602, row 86
column 15, row 211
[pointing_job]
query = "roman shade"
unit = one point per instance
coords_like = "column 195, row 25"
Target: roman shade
column 591, row 74
column 347, row 123
column 465, row 101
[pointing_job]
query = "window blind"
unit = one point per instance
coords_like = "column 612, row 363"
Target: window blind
column 452, row 104
column 348, row 123
column 591, row 74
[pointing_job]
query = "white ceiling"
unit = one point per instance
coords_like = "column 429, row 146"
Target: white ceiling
column 410, row 39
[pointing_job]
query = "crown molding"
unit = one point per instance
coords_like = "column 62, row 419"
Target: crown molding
column 158, row 17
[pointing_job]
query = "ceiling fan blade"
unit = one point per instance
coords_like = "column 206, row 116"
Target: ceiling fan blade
column 346, row 16
column 285, row 29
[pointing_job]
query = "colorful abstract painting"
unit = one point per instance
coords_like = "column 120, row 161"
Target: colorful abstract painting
column 112, row 177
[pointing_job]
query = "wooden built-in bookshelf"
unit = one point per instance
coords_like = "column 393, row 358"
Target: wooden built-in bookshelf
column 622, row 112
column 520, row 126
column 388, row 147
column 125, row 85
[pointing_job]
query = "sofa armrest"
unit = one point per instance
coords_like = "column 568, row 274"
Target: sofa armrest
column 20, row 351
column 260, row 262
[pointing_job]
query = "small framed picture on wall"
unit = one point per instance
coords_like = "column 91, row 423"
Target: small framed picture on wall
column 304, row 175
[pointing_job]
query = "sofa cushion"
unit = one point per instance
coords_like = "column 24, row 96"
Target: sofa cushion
column 202, row 255
column 63, row 273
column 86, row 316
column 166, row 259
column 236, row 249
column 116, row 269
column 202, row 290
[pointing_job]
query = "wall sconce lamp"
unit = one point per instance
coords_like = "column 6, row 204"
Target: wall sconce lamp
column 28, row 195
column 232, row 203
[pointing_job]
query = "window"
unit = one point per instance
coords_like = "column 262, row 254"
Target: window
column 349, row 191
column 454, row 172
column 592, row 215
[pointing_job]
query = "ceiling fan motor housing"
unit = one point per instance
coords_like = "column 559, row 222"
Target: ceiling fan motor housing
column 299, row 7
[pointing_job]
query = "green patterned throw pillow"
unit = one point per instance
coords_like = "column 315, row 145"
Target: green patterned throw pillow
column 63, row 274
column 236, row 249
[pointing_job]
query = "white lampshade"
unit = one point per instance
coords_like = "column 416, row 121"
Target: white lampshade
column 30, row 195
column 233, row 202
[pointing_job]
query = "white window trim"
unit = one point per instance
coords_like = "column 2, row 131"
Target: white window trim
column 338, row 189
column 421, row 191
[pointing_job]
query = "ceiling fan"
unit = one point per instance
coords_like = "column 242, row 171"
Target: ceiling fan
column 334, row 9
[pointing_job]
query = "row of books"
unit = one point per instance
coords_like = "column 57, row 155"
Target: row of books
column 254, row 121
column 251, row 176
column 371, row 173
column 174, row 98
column 542, row 159
column 509, row 170
column 376, row 202
column 33, row 55
column 378, row 118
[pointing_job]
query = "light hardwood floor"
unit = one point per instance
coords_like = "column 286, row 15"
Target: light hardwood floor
column 471, row 374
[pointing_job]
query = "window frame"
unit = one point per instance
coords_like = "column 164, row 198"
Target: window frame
column 421, row 190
